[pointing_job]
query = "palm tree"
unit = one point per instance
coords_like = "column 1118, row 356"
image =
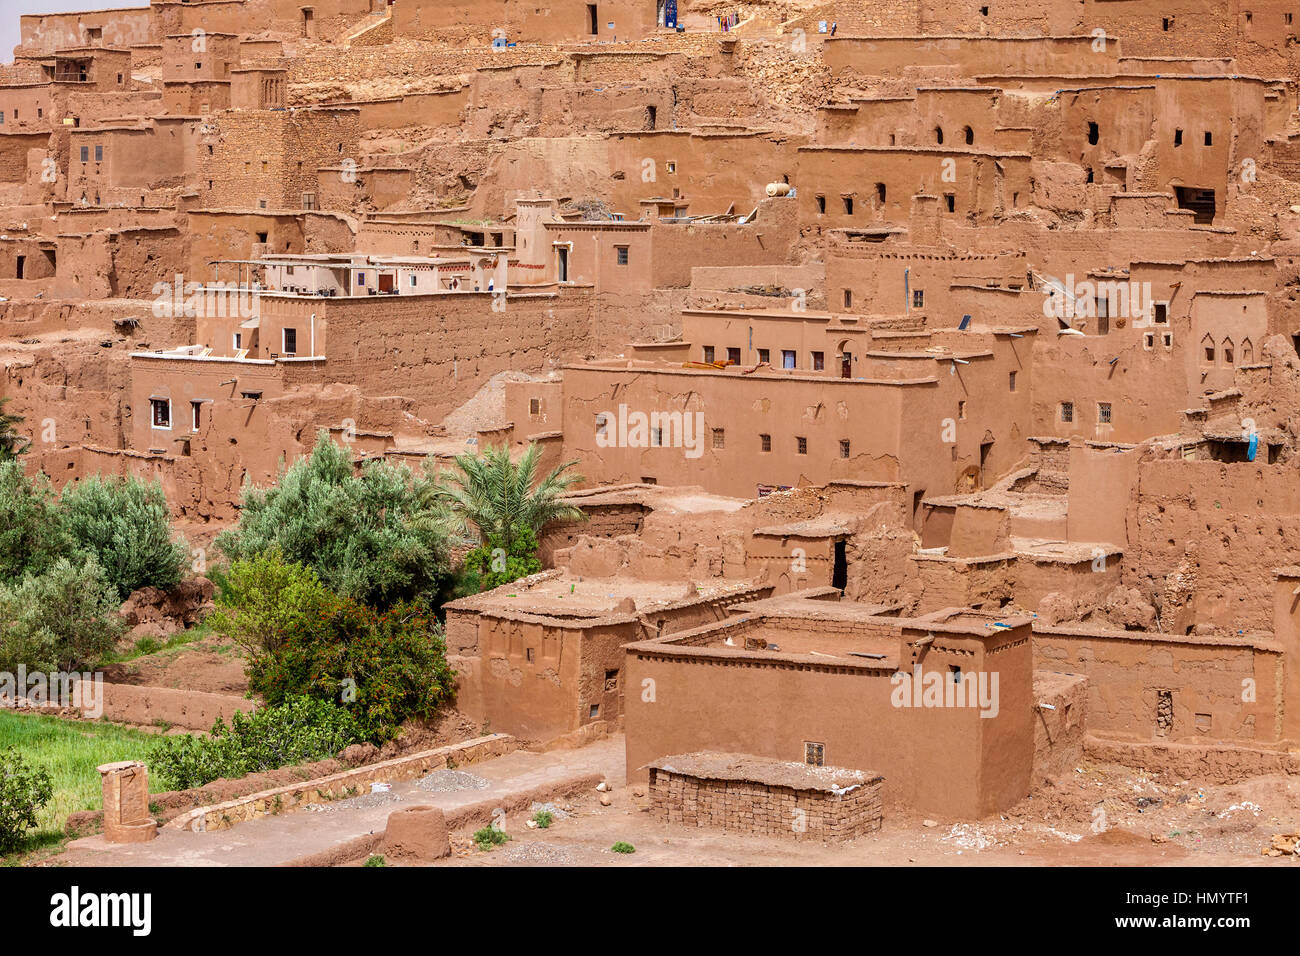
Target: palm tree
column 12, row 444
column 496, row 497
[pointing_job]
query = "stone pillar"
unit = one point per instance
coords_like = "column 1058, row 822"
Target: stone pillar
column 126, row 803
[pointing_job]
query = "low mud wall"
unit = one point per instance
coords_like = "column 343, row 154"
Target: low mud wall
column 221, row 816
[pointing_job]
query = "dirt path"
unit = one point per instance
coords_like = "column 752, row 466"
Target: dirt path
column 1097, row 815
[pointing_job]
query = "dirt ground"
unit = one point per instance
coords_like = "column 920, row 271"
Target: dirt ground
column 1100, row 815
column 211, row 665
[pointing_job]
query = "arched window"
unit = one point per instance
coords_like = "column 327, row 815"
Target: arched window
column 1207, row 350
column 970, row 135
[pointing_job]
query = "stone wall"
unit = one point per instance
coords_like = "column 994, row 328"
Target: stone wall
column 797, row 809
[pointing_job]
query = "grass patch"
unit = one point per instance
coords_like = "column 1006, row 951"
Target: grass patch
column 489, row 838
column 543, row 819
column 70, row 750
column 147, row 646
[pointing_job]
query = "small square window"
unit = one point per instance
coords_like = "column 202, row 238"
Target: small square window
column 814, row 753
column 160, row 412
column 656, row 438
column 821, row 205
column 1209, row 138
column 622, row 254
column 1103, row 413
column 787, row 358
column 765, row 442
column 1178, row 137
column 848, row 298
column 1167, row 340
column 1149, row 340
column 801, row 444
column 951, row 200
column 672, row 166
column 848, row 205
column 918, row 299
column 719, row 438
column 733, row 356
column 961, row 411
column 534, row 406
column 764, row 355
column 99, row 154
column 529, row 654
column 1011, row 381
column 593, row 711
column 290, row 341
column 844, row 448
column 1162, row 313
column 85, row 154
column 1067, row 412
column 708, row 355
column 818, row 361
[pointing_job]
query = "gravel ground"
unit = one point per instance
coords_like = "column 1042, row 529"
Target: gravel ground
column 365, row 801
column 538, row 852
column 448, row 781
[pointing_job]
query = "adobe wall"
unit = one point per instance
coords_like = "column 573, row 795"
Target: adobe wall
column 936, row 760
column 411, row 352
column 1155, row 686
column 45, row 33
column 1210, row 535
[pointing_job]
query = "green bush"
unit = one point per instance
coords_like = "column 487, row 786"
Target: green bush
column 124, row 523
column 490, row 837
column 491, row 565
column 375, row 860
column 31, row 534
column 385, row 667
column 62, row 620
column 543, row 819
column 264, row 601
column 621, row 847
column 366, row 536
column 297, row 731
column 24, row 790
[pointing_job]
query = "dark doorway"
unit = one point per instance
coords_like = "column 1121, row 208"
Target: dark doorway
column 840, row 572
column 985, row 449
column 846, row 365
column 651, row 114
column 1198, row 201
column 22, row 266
column 591, row 17
column 562, row 263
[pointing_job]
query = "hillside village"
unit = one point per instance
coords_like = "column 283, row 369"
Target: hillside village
column 923, row 376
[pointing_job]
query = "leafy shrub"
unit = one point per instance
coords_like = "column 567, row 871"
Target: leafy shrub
column 375, row 860
column 367, row 537
column 124, row 523
column 491, row 565
column 297, row 731
column 490, row 837
column 621, row 847
column 385, row 666
column 265, row 600
column 62, row 620
column 543, row 819
column 31, row 535
column 24, row 790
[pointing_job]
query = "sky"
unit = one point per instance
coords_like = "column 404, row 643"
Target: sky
column 11, row 10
